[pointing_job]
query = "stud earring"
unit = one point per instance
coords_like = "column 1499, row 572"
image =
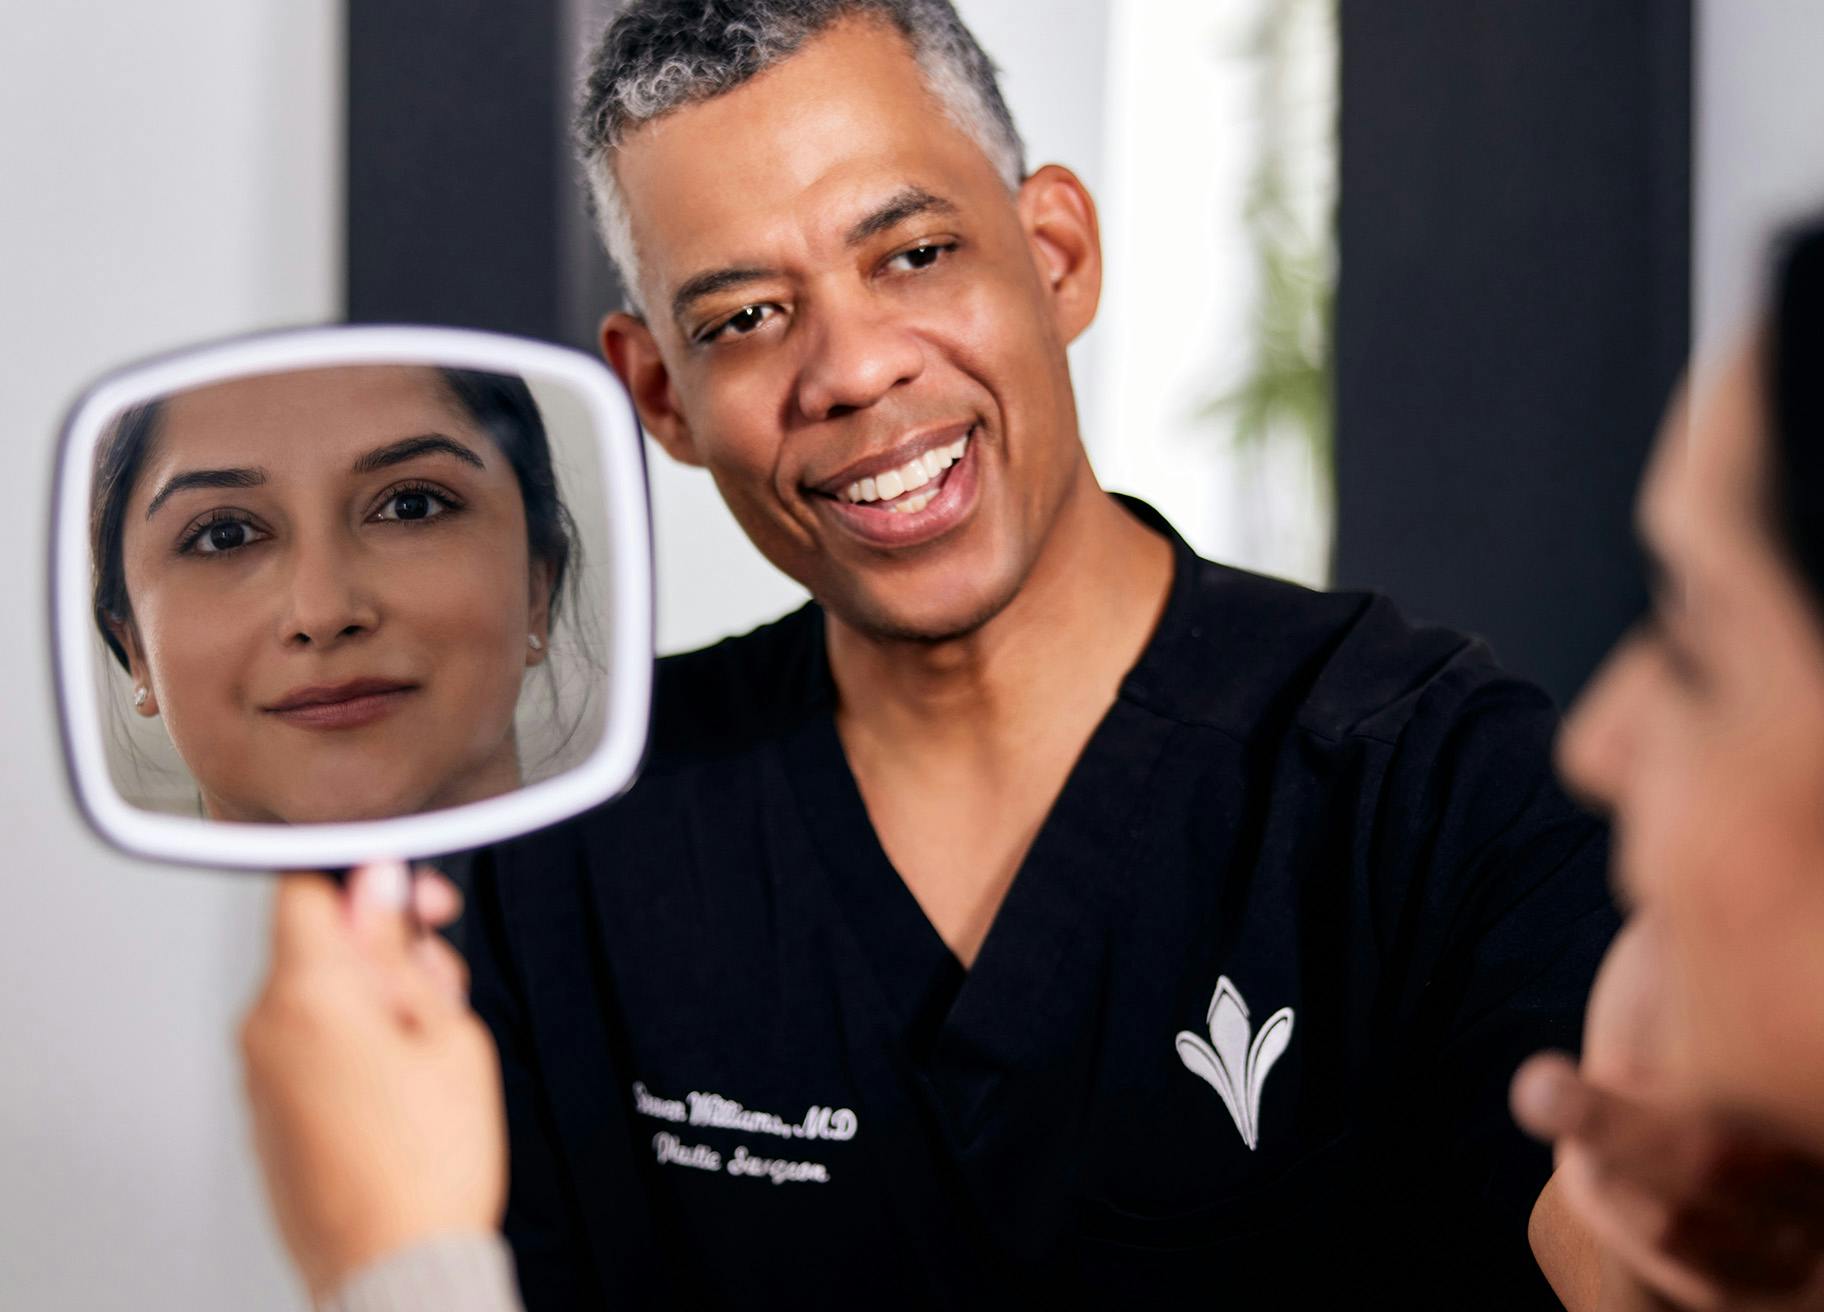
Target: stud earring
column 537, row 643
column 139, row 696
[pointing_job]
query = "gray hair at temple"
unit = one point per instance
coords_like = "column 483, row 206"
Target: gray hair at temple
column 657, row 56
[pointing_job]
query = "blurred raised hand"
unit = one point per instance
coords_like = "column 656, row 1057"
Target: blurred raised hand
column 1688, row 1207
column 375, row 1090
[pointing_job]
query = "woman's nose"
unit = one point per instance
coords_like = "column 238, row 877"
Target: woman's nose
column 328, row 600
column 1597, row 741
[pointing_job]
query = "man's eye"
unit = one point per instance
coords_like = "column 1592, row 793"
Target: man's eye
column 922, row 257
column 741, row 322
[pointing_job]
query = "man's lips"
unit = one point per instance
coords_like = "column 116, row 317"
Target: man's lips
column 913, row 518
column 916, row 447
column 341, row 705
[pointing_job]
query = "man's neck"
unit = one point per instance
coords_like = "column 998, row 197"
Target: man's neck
column 1052, row 658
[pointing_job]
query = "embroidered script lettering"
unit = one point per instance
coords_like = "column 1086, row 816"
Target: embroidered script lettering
column 672, row 1152
column 779, row 1171
column 664, row 1109
column 701, row 1108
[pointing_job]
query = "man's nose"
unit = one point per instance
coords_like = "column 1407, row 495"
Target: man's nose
column 328, row 599
column 857, row 355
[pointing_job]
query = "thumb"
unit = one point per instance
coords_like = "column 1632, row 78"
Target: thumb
column 1655, row 1148
column 379, row 911
column 307, row 920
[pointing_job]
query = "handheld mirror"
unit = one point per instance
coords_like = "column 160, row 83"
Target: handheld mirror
column 326, row 595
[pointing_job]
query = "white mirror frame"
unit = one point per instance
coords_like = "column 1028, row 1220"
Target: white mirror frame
column 607, row 771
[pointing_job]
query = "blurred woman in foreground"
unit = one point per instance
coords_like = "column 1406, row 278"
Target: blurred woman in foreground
column 1704, row 737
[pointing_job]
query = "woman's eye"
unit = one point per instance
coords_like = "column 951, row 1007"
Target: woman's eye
column 222, row 536
column 412, row 505
column 741, row 322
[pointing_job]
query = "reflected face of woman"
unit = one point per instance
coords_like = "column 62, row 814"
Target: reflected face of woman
column 1704, row 736
column 331, row 595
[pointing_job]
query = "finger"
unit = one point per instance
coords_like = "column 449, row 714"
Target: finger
column 379, row 898
column 444, row 969
column 1658, row 1151
column 1622, row 1291
column 1541, row 1095
column 307, row 919
column 1756, row 1170
column 1691, row 1250
column 1735, row 1251
column 1631, row 1225
column 437, row 900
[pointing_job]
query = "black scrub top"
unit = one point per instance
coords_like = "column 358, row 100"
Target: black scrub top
column 1240, row 1033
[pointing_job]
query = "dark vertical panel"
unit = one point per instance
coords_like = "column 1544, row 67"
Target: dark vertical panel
column 462, row 204
column 1513, row 308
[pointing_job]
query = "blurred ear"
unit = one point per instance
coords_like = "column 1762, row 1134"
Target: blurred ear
column 538, row 613
column 633, row 354
column 128, row 638
column 1059, row 217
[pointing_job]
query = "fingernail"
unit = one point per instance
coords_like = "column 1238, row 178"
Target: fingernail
column 1540, row 1097
column 383, row 884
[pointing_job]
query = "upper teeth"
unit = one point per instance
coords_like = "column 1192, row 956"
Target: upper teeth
column 909, row 477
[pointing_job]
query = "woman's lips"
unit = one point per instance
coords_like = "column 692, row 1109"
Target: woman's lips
column 342, row 706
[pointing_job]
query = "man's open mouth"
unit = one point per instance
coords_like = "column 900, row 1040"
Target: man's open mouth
column 908, row 488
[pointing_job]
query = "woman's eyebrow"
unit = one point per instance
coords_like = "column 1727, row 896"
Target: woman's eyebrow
column 204, row 478
column 408, row 448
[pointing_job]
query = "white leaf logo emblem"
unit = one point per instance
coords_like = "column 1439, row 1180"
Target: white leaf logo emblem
column 1233, row 1066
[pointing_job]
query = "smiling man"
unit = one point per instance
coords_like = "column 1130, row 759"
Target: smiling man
column 1042, row 909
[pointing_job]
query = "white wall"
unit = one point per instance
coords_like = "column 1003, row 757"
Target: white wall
column 1760, row 147
column 169, row 173
column 1186, row 130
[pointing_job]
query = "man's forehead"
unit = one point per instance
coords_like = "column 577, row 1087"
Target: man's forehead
column 797, row 154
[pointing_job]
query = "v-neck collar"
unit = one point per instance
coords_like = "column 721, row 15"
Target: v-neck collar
column 1038, row 966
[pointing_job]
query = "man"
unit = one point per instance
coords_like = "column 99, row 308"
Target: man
column 1042, row 910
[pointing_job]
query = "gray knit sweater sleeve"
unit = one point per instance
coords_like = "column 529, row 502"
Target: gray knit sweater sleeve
column 452, row 1273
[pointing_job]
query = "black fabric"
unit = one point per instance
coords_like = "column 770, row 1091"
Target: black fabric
column 1296, row 792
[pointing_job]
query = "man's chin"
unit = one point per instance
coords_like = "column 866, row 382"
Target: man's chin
column 900, row 621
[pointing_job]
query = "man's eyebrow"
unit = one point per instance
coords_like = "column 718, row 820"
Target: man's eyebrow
column 906, row 204
column 395, row 453
column 203, row 478
column 903, row 205
column 708, row 284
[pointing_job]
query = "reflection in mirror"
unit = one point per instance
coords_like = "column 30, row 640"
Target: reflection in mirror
column 347, row 593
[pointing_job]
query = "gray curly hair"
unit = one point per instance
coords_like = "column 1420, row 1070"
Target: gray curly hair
column 657, row 56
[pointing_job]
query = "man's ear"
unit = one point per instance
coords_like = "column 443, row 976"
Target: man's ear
column 538, row 613
column 125, row 635
column 1060, row 221
column 632, row 352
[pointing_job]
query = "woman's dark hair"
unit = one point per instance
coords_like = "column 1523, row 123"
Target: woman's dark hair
column 501, row 404
column 1796, row 440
